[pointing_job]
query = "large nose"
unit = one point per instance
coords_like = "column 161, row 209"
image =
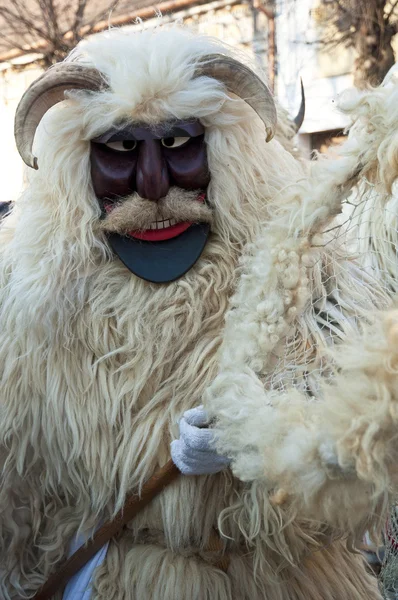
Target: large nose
column 152, row 178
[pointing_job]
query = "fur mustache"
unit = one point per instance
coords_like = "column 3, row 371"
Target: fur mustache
column 135, row 213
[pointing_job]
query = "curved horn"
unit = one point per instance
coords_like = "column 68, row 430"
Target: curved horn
column 44, row 93
column 299, row 118
column 243, row 82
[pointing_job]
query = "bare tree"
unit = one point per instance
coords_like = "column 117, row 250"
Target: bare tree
column 50, row 28
column 368, row 26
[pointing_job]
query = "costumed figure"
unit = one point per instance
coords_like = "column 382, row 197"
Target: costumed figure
column 157, row 207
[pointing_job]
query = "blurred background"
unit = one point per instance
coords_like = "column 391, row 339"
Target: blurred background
column 330, row 44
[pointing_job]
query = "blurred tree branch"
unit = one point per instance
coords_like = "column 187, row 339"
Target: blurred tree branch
column 49, row 27
column 367, row 26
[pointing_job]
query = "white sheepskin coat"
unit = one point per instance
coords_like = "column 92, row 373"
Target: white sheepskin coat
column 97, row 366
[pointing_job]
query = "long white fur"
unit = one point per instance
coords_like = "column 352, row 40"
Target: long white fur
column 97, row 366
column 335, row 459
column 374, row 202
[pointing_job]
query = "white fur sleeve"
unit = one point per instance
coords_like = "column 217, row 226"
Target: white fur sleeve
column 334, row 460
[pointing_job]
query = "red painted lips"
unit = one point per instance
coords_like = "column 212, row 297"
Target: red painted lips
column 158, row 235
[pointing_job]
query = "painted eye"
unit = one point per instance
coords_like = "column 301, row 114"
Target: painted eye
column 174, row 142
column 122, row 146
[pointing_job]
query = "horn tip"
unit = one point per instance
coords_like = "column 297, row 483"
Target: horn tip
column 30, row 161
column 269, row 134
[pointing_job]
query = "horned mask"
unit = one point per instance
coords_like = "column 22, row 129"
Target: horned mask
column 134, row 162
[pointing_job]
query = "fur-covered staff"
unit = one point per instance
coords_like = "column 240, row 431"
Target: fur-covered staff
column 98, row 365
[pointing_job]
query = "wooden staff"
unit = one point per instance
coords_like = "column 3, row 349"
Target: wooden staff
column 133, row 505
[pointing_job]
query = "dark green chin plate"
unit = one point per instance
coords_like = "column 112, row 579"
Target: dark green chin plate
column 161, row 262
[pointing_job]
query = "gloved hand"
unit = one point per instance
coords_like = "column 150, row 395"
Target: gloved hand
column 193, row 453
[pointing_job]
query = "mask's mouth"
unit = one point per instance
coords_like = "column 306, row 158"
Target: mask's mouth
column 159, row 230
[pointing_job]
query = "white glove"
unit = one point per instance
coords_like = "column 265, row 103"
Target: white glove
column 193, row 453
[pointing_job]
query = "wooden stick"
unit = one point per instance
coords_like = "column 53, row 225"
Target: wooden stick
column 133, row 505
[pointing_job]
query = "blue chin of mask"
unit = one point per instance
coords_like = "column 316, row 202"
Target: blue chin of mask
column 161, row 261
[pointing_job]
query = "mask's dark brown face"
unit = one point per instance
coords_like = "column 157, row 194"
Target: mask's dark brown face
column 151, row 183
